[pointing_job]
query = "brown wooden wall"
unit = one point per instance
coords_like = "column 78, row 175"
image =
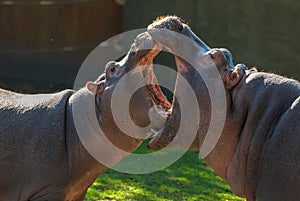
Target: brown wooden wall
column 45, row 42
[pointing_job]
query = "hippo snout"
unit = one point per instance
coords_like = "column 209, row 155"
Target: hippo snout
column 174, row 34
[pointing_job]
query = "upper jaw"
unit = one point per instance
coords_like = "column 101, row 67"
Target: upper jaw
column 143, row 51
column 176, row 36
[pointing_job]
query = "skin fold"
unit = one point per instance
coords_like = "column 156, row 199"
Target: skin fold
column 258, row 150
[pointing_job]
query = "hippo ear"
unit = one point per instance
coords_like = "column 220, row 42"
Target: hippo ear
column 232, row 80
column 96, row 88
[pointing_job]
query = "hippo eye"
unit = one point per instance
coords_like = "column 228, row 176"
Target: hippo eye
column 211, row 56
column 112, row 69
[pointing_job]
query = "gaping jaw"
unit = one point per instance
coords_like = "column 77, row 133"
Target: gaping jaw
column 148, row 106
column 140, row 57
column 143, row 51
column 172, row 33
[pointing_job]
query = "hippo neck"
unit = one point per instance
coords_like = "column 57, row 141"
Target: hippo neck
column 94, row 127
column 257, row 105
column 269, row 97
column 224, row 150
column 80, row 161
column 85, row 142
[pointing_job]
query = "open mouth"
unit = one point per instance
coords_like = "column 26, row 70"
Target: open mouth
column 185, row 46
column 159, row 98
column 146, row 57
column 153, row 87
column 163, row 137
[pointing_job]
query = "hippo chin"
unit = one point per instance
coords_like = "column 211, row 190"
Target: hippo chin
column 258, row 149
column 42, row 157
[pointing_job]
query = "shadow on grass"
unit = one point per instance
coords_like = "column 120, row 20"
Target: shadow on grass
column 187, row 179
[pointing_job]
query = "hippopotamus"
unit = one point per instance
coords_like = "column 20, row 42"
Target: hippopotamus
column 42, row 155
column 258, row 151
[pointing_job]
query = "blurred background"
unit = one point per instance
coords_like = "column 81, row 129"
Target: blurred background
column 44, row 42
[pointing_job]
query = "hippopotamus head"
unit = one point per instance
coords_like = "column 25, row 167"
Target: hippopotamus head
column 177, row 37
column 253, row 147
column 130, row 80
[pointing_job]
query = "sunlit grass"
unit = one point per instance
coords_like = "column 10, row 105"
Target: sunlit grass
column 187, row 179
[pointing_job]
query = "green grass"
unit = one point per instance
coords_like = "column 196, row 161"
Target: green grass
column 187, row 179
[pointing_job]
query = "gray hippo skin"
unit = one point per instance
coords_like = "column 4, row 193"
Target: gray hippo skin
column 258, row 152
column 41, row 155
